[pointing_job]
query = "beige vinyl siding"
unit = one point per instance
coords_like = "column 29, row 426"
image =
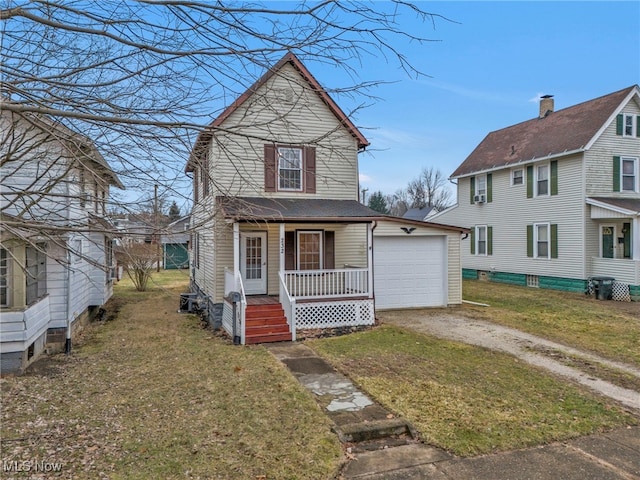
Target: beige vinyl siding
column 599, row 158
column 351, row 246
column 509, row 214
column 453, row 263
column 238, row 159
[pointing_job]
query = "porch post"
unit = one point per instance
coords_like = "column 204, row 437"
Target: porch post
column 236, row 249
column 281, row 243
column 370, row 257
column 635, row 238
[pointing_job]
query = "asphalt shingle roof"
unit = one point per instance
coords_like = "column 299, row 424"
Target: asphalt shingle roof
column 565, row 130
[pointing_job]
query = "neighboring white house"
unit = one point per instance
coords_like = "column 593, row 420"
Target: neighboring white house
column 56, row 255
column 554, row 201
column 276, row 220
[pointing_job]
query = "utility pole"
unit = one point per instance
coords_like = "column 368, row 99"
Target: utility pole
column 155, row 228
column 364, row 195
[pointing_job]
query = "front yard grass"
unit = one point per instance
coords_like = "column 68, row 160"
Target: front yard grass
column 466, row 399
column 608, row 328
column 150, row 394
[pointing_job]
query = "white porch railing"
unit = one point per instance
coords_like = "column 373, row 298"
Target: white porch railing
column 288, row 305
column 233, row 283
column 307, row 284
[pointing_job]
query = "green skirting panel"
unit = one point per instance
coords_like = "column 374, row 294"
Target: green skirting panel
column 510, row 278
column 469, row 274
column 564, row 284
column 634, row 290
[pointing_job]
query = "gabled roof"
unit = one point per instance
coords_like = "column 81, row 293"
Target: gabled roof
column 626, row 206
column 289, row 58
column 417, row 213
column 565, row 131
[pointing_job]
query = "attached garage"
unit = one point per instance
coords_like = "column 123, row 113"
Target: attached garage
column 416, row 265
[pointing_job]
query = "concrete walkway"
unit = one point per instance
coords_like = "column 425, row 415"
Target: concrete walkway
column 382, row 447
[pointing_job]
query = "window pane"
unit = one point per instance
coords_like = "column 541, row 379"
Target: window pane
column 254, row 258
column 481, row 185
column 543, row 250
column 4, row 274
column 542, row 240
column 542, row 172
column 518, row 178
column 628, row 167
column 628, row 125
column 543, row 187
column 628, row 183
column 309, row 251
column 290, row 168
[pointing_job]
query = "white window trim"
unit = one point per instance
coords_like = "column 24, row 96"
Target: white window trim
column 7, row 285
column 301, row 169
column 321, row 244
column 535, row 180
column 633, row 125
column 521, row 170
column 477, row 185
column 635, row 173
column 477, row 240
column 535, row 241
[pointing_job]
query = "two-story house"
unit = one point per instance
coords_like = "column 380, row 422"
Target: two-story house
column 276, row 220
column 56, row 260
column 554, row 201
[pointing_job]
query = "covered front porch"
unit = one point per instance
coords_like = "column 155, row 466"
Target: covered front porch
column 617, row 222
column 316, row 264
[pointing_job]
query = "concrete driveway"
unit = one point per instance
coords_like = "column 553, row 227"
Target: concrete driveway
column 529, row 348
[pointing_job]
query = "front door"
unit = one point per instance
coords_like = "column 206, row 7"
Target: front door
column 607, row 241
column 253, row 262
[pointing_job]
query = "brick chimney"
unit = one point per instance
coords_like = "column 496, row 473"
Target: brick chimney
column 546, row 105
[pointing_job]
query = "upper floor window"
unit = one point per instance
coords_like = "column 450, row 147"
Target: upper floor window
column 4, row 277
column 542, row 180
column 480, row 188
column 629, row 174
column 481, row 185
column 290, row 168
column 629, row 125
column 517, row 176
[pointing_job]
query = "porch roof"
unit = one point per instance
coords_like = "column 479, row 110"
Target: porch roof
column 626, row 206
column 295, row 210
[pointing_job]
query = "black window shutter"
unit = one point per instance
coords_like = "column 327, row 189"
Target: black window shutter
column 530, row 181
column 289, row 250
column 619, row 124
column 310, row 169
column 554, row 177
column 489, row 188
column 473, row 241
column 489, row 240
column 270, row 168
column 329, row 250
column 616, row 174
column 472, row 188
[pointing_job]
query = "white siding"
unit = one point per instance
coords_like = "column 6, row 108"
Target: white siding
column 509, row 214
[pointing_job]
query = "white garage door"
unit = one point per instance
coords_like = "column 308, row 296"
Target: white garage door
column 409, row 271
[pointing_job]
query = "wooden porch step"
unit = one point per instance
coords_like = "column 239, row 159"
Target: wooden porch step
column 268, row 338
column 266, row 323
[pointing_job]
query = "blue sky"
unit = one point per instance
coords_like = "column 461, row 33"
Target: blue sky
column 486, row 73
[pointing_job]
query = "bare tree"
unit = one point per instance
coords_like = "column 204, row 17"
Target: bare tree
column 429, row 189
column 141, row 79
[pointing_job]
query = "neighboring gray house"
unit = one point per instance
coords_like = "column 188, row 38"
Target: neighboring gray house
column 175, row 244
column 553, row 201
column 56, row 257
column 421, row 213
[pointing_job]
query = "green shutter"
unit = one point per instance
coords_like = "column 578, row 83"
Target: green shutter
column 616, row 174
column 619, row 124
column 554, row 240
column 638, row 126
column 554, row 177
column 530, row 181
column 489, row 240
column 529, row 240
column 472, row 188
column 473, row 240
column 489, row 189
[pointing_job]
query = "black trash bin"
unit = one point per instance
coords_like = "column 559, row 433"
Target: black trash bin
column 603, row 287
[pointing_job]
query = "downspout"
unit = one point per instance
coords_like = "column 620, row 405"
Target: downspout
column 67, row 342
column 371, row 253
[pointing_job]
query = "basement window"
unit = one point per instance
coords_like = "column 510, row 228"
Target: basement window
column 532, row 281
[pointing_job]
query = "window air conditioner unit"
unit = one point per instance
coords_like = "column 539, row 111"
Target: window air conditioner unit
column 479, row 198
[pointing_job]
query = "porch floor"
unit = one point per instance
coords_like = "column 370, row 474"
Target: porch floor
column 262, row 300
